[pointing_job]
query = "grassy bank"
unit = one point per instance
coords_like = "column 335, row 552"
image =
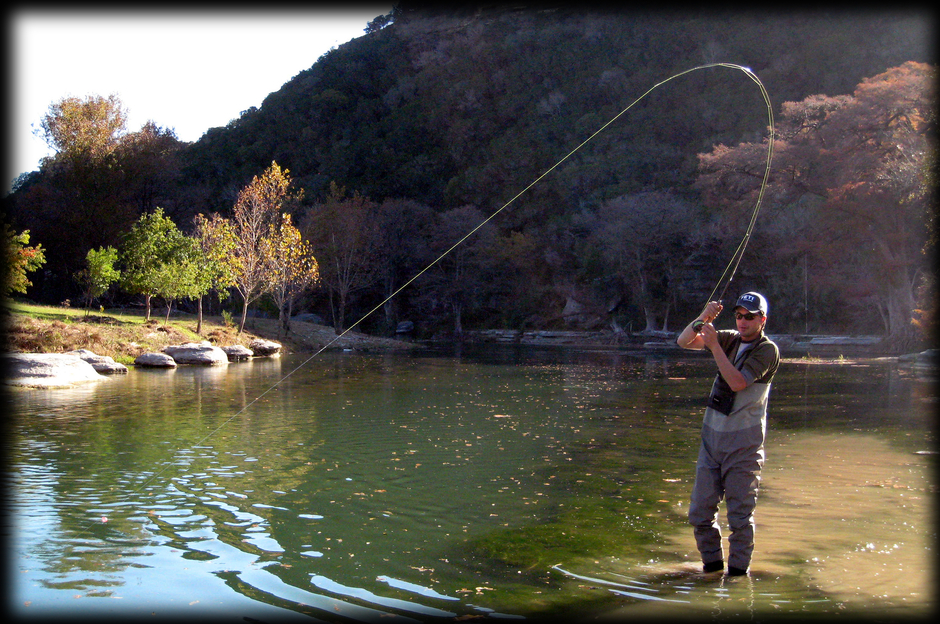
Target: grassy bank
column 124, row 334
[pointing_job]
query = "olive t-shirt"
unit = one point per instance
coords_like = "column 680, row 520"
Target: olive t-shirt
column 743, row 428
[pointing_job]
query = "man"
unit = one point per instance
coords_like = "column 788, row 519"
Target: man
column 731, row 454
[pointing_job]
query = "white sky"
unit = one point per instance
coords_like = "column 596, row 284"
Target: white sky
column 189, row 71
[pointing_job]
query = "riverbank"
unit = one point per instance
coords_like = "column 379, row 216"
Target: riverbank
column 791, row 345
column 125, row 334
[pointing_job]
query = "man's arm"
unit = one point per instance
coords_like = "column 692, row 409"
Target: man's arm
column 735, row 378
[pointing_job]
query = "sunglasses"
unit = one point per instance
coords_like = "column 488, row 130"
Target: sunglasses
column 747, row 317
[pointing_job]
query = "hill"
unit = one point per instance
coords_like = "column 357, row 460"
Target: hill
column 465, row 107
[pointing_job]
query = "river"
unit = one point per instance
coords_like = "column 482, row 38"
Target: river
column 494, row 482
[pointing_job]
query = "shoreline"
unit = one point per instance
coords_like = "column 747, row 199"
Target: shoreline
column 124, row 334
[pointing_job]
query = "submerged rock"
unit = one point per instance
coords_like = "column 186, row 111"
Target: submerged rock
column 923, row 364
column 104, row 364
column 47, row 370
column 199, row 353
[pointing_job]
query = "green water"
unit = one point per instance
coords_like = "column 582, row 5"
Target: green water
column 496, row 483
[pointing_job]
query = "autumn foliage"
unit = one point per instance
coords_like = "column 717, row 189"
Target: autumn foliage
column 852, row 172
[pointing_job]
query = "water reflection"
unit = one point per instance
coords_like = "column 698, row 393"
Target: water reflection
column 493, row 484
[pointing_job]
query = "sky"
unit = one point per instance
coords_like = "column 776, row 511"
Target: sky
column 189, row 71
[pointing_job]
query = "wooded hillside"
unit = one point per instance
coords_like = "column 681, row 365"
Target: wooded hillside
column 428, row 125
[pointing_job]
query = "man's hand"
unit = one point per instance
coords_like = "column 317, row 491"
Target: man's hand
column 690, row 338
column 709, row 336
column 711, row 311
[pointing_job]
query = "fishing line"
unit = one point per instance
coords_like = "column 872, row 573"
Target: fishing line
column 732, row 266
column 739, row 252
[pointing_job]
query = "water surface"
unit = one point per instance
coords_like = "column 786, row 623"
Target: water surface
column 500, row 483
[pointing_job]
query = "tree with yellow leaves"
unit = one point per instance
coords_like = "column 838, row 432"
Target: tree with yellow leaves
column 21, row 259
column 291, row 266
column 257, row 209
column 215, row 242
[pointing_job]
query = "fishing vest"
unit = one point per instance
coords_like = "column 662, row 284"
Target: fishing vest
column 722, row 397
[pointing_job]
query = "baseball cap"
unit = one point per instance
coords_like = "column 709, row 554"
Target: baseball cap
column 752, row 302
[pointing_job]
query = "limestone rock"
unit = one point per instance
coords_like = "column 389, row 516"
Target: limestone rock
column 155, row 360
column 47, row 370
column 104, row 364
column 262, row 348
column 200, row 353
column 237, row 353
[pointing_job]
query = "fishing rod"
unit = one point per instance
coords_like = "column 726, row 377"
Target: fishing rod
column 732, row 267
column 739, row 252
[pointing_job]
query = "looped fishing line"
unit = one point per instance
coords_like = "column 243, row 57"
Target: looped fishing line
column 729, row 270
column 739, row 252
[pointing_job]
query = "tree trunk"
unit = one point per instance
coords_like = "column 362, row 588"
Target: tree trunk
column 458, row 322
column 899, row 306
column 241, row 325
column 199, row 316
column 389, row 309
column 341, row 313
column 284, row 317
column 650, row 318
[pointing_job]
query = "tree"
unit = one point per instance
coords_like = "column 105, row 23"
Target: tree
column 149, row 168
column 524, row 292
column 463, row 277
column 859, row 163
column 150, row 254
column 21, row 259
column 380, row 22
column 642, row 238
column 291, row 266
column 217, row 267
column 178, row 277
column 98, row 274
column 257, row 208
column 80, row 198
column 84, row 128
column 343, row 233
column 401, row 249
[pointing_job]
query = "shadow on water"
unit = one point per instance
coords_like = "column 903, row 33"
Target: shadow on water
column 485, row 484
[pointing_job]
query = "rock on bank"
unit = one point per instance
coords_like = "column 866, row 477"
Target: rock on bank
column 199, row 353
column 47, row 370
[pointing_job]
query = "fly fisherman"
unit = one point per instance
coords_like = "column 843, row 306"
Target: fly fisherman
column 732, row 450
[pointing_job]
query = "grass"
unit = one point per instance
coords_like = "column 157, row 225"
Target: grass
column 121, row 334
column 124, row 334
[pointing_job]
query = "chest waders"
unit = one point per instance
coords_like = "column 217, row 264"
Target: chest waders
column 729, row 463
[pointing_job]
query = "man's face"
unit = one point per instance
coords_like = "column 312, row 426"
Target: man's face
column 750, row 324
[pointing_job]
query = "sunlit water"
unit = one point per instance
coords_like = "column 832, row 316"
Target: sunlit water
column 498, row 484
